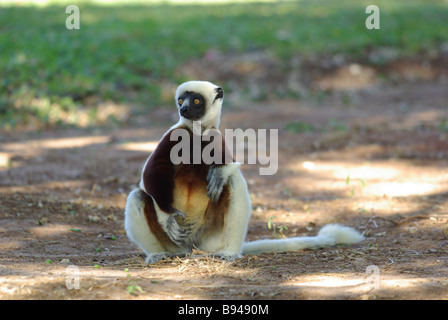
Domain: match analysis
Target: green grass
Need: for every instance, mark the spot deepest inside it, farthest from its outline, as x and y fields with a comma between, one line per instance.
x=123, y=53
x=304, y=127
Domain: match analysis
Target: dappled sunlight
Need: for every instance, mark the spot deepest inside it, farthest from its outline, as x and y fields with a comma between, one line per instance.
x=139, y=146
x=26, y=2
x=48, y=185
x=33, y=147
x=14, y=155
x=137, y=2
x=341, y=170
x=10, y=245
x=382, y=206
x=42, y=279
x=415, y=119
x=401, y=189
x=365, y=172
x=4, y=160
x=52, y=230
x=388, y=178
x=335, y=281
x=366, y=285
x=72, y=142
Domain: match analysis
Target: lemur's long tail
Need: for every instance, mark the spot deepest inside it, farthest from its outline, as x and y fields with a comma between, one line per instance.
x=329, y=235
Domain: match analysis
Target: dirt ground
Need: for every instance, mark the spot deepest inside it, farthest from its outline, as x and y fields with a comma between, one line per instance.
x=376, y=160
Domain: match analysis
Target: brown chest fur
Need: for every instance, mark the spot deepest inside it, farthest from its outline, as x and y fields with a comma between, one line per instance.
x=190, y=194
x=190, y=197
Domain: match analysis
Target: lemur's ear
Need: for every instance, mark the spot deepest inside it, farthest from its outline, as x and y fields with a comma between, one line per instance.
x=219, y=93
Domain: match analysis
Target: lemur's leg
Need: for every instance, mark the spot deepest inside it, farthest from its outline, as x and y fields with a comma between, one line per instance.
x=227, y=243
x=168, y=222
x=143, y=230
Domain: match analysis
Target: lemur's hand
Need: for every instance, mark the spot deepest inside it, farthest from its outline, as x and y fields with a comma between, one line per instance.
x=218, y=177
x=177, y=233
x=215, y=183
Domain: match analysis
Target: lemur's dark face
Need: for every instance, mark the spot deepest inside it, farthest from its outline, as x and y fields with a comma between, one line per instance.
x=192, y=105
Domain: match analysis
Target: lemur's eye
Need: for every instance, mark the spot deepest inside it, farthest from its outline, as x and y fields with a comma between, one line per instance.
x=196, y=101
x=180, y=101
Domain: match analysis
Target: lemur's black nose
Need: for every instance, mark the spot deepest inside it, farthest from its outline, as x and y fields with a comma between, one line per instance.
x=183, y=111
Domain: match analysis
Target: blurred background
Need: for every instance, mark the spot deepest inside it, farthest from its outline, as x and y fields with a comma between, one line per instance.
x=129, y=56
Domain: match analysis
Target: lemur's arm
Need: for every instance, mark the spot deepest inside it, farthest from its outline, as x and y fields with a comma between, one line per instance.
x=218, y=174
x=158, y=182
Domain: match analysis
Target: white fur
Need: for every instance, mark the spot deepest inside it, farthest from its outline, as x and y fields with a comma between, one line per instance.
x=228, y=243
